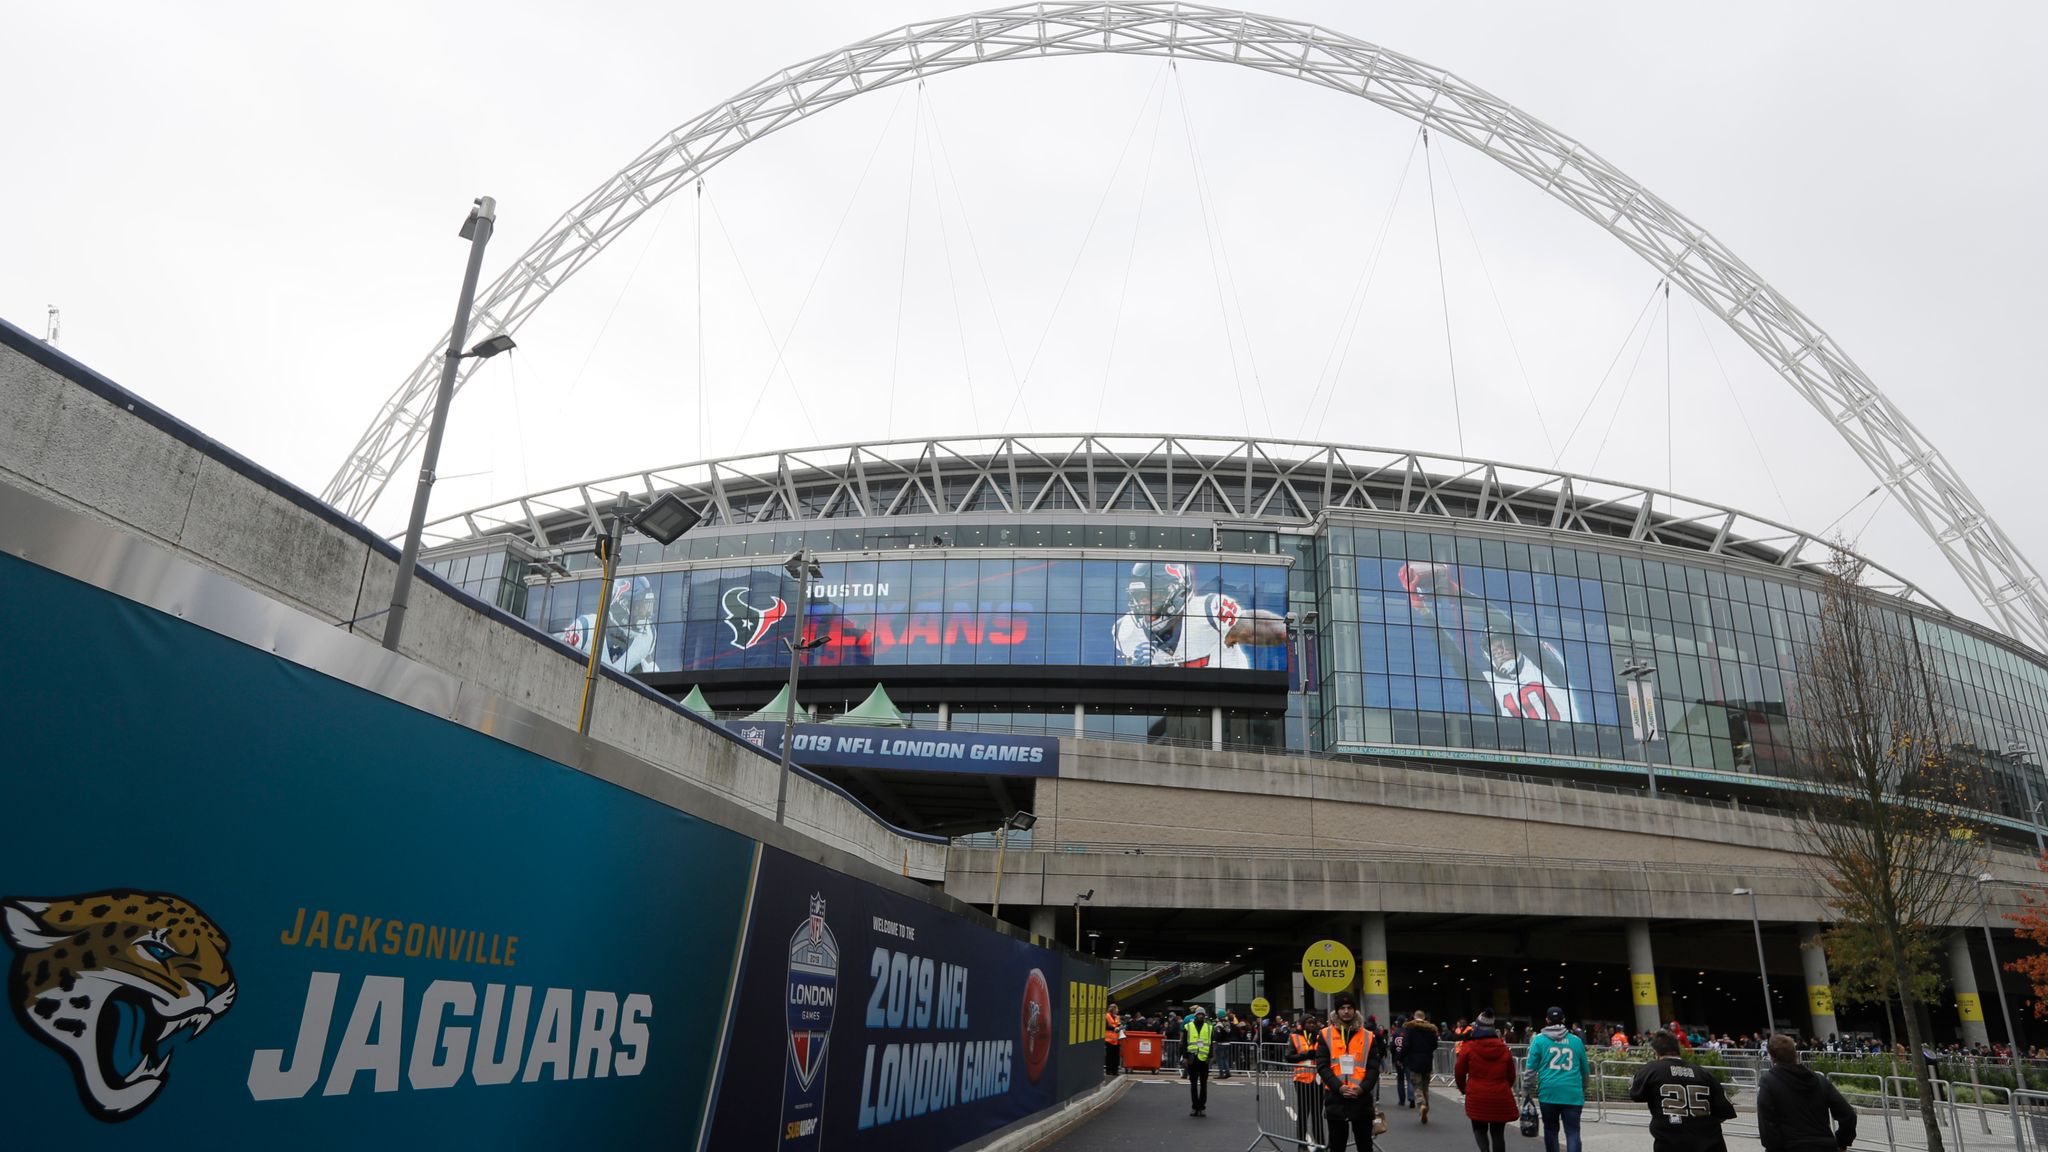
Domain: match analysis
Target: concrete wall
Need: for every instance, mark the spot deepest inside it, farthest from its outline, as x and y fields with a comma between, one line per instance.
x=1155, y=827
x=77, y=440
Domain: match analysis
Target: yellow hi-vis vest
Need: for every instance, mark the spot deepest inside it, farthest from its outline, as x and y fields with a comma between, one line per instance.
x=1304, y=1072
x=1198, y=1038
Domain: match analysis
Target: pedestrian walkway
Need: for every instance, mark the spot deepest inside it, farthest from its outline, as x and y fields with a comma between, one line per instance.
x=1154, y=1115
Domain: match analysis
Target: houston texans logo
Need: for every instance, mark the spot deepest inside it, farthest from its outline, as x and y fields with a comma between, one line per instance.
x=750, y=624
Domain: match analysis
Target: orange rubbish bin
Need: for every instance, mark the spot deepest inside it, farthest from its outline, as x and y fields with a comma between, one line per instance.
x=1142, y=1051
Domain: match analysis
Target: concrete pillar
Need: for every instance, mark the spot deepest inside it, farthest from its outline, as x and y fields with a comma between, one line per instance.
x=1278, y=990
x=1045, y=921
x=1216, y=728
x=1080, y=724
x=1222, y=999
x=1299, y=987
x=1642, y=976
x=1962, y=974
x=1374, y=999
x=1820, y=999
x=945, y=715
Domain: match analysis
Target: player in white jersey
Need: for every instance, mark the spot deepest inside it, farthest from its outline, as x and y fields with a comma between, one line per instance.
x=1524, y=676
x=628, y=631
x=1520, y=686
x=1168, y=625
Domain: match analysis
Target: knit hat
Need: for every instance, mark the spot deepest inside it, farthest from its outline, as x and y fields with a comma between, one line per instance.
x=1345, y=1000
x=1485, y=1019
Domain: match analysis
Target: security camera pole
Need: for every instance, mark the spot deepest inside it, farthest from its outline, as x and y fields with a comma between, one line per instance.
x=477, y=230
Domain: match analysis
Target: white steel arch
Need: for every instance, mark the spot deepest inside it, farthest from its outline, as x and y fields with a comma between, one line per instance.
x=1816, y=367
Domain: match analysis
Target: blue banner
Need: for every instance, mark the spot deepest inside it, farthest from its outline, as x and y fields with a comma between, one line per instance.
x=896, y=1023
x=911, y=749
x=246, y=905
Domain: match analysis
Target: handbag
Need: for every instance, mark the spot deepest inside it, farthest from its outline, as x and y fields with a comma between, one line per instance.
x=1529, y=1122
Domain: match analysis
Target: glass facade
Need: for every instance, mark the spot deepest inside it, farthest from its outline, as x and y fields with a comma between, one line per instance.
x=1498, y=643
x=1478, y=642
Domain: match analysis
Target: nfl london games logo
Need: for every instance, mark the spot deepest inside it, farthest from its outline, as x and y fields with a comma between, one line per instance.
x=813, y=989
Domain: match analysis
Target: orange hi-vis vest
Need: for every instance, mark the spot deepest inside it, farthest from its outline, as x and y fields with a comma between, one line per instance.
x=1112, y=1027
x=1354, y=1051
x=1304, y=1072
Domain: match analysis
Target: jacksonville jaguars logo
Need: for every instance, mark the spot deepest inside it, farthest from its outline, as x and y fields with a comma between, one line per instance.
x=116, y=982
x=750, y=625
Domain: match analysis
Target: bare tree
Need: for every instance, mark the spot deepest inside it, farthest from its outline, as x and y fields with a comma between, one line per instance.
x=1888, y=808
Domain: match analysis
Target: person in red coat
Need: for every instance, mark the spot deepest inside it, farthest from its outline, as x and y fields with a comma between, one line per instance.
x=1485, y=1073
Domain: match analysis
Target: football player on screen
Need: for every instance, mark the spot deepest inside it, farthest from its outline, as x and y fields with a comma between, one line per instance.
x=1168, y=625
x=628, y=631
x=1523, y=676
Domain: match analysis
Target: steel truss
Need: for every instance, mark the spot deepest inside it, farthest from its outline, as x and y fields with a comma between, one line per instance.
x=1917, y=475
x=1240, y=481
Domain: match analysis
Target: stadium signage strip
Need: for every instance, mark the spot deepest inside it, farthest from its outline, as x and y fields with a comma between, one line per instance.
x=907, y=749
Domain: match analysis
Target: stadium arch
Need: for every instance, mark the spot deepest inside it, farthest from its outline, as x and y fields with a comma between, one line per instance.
x=1918, y=476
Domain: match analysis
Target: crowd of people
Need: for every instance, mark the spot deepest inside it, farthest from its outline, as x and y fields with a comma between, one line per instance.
x=1340, y=1062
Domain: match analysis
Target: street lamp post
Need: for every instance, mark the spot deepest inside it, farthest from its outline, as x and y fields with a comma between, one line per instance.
x=476, y=229
x=1088, y=895
x=1643, y=699
x=2012, y=1038
x=803, y=566
x=1022, y=822
x=1763, y=973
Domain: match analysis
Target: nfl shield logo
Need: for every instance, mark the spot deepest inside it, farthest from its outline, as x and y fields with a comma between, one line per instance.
x=755, y=735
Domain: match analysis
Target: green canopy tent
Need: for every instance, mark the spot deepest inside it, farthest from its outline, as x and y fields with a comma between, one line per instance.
x=696, y=702
x=775, y=709
x=877, y=710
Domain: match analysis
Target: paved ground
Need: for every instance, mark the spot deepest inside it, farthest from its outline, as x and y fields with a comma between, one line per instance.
x=1154, y=1115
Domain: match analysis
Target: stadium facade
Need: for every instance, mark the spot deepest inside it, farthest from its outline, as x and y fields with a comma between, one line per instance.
x=1238, y=592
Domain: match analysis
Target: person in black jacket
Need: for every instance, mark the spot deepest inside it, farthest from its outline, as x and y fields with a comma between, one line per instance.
x=1418, y=1060
x=1793, y=1106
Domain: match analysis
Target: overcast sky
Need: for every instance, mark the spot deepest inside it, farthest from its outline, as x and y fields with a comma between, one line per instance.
x=247, y=214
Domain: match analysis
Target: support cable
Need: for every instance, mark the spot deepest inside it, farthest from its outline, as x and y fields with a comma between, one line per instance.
x=942, y=157
x=1131, y=258
x=1082, y=250
x=1354, y=310
x=1528, y=386
x=633, y=274
x=767, y=329
x=931, y=171
x=703, y=409
x=518, y=422
x=1206, y=203
x=1558, y=460
x=1728, y=384
x=1621, y=401
x=782, y=346
x=1443, y=294
x=903, y=262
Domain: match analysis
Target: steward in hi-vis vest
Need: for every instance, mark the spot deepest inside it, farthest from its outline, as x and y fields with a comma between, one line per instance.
x=1198, y=1037
x=1112, y=1042
x=1345, y=1065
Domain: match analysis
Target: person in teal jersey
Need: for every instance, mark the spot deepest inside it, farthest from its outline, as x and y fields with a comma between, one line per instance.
x=1557, y=1078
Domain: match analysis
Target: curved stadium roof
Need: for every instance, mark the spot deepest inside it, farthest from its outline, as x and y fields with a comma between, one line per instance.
x=1234, y=481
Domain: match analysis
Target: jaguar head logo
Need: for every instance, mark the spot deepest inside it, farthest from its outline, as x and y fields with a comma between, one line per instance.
x=750, y=625
x=116, y=982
